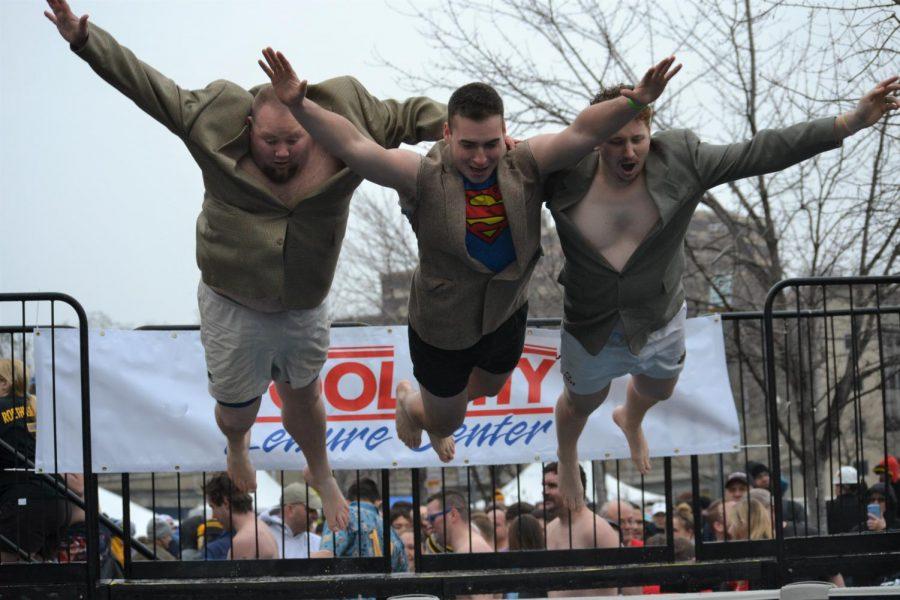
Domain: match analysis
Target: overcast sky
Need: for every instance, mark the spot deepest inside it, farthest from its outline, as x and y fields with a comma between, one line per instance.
x=100, y=201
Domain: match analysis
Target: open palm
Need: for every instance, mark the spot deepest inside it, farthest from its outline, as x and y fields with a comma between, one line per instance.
x=287, y=86
x=879, y=101
x=654, y=82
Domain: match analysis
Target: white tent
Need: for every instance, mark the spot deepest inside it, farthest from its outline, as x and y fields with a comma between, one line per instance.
x=530, y=483
x=268, y=494
x=111, y=505
x=629, y=492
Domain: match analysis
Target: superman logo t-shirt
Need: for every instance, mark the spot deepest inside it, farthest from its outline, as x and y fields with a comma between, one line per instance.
x=488, y=237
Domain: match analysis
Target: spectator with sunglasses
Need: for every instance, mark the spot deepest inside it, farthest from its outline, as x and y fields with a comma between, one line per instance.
x=448, y=515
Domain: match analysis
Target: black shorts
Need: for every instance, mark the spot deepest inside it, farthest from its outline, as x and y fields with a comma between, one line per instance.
x=445, y=373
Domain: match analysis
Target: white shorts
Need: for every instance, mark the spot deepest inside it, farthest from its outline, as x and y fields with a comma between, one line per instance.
x=247, y=349
x=661, y=358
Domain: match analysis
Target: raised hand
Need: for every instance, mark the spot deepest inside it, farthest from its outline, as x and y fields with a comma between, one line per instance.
x=73, y=29
x=874, y=105
x=654, y=82
x=288, y=87
x=876, y=523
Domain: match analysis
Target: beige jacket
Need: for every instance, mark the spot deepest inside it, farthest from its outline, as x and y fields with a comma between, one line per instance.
x=455, y=299
x=248, y=243
x=680, y=168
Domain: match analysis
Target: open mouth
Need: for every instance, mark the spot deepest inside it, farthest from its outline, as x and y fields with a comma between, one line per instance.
x=628, y=167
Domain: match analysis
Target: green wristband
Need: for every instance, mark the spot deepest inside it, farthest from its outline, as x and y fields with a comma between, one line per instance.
x=635, y=105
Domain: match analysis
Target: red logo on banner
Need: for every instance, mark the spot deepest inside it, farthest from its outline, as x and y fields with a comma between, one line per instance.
x=378, y=383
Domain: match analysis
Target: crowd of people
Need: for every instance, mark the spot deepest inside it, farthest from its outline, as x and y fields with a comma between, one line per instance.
x=452, y=522
x=280, y=163
x=51, y=527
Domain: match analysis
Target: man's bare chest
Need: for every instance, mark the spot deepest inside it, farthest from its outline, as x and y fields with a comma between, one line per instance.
x=607, y=217
x=305, y=181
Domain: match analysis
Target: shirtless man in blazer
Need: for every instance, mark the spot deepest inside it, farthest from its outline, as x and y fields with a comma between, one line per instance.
x=475, y=209
x=268, y=237
x=622, y=214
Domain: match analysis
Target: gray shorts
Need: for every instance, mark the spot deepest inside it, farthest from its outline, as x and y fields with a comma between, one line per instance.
x=247, y=349
x=661, y=358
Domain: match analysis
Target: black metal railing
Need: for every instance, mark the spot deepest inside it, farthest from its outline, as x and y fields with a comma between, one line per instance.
x=819, y=345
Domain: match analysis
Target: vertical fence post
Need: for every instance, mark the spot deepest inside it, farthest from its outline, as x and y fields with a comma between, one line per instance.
x=772, y=410
x=90, y=479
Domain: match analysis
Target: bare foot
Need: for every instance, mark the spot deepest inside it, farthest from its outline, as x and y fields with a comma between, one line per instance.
x=444, y=447
x=337, y=511
x=637, y=443
x=570, y=488
x=240, y=470
x=407, y=431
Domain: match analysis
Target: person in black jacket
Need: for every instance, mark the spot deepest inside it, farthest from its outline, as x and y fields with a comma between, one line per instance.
x=846, y=512
x=33, y=514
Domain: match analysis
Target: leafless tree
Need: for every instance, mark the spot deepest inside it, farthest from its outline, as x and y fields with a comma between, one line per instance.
x=379, y=249
x=750, y=65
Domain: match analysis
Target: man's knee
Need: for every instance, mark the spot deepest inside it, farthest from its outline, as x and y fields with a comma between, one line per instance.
x=584, y=404
x=490, y=389
x=482, y=383
x=236, y=418
x=654, y=389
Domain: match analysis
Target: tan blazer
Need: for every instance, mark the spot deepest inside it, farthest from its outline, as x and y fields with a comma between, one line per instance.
x=248, y=243
x=680, y=168
x=455, y=299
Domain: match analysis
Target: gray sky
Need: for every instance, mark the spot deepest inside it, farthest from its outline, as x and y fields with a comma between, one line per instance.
x=98, y=200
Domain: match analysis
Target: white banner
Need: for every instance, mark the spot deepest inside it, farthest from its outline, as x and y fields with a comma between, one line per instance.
x=150, y=409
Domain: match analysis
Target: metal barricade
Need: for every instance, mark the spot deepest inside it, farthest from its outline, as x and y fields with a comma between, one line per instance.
x=820, y=344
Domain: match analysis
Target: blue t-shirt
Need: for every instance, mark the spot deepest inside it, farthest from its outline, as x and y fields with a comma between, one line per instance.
x=488, y=236
x=219, y=548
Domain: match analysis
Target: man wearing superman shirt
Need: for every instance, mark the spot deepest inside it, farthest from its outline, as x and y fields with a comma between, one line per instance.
x=476, y=212
x=488, y=238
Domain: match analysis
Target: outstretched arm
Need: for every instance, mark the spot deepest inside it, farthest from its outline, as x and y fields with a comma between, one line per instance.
x=772, y=150
x=392, y=122
x=870, y=109
x=391, y=168
x=154, y=93
x=600, y=121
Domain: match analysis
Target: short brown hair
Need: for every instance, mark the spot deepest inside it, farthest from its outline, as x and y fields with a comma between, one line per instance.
x=476, y=101
x=220, y=488
x=609, y=93
x=716, y=512
x=686, y=516
x=554, y=468
x=451, y=499
x=525, y=533
x=485, y=526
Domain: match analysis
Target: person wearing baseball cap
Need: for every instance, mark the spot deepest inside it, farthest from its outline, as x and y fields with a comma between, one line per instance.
x=846, y=511
x=300, y=506
x=159, y=534
x=736, y=486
